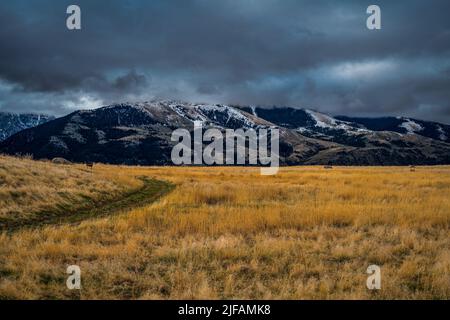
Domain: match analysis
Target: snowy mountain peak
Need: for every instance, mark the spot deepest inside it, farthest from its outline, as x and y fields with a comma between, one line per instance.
x=11, y=123
x=177, y=112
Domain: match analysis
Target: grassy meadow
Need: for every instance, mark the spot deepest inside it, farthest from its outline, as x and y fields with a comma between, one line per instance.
x=229, y=233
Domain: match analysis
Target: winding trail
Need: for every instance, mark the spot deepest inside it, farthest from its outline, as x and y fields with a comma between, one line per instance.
x=151, y=191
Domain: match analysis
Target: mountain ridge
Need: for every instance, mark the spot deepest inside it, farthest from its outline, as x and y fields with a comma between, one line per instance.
x=11, y=123
x=139, y=133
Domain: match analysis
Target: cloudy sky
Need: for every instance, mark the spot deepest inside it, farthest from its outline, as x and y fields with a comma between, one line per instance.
x=313, y=54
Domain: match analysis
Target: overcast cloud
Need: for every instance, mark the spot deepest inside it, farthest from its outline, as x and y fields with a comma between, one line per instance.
x=314, y=54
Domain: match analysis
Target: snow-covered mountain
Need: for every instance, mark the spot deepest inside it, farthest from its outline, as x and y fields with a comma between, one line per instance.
x=139, y=133
x=11, y=123
x=403, y=125
x=344, y=128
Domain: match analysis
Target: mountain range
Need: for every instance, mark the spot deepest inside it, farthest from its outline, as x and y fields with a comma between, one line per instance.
x=11, y=123
x=139, y=134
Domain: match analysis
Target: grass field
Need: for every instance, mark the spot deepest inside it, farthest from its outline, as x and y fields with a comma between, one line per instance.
x=222, y=233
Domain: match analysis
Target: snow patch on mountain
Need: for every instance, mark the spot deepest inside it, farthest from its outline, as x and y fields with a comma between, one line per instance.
x=327, y=122
x=11, y=123
x=410, y=126
x=442, y=134
x=322, y=120
x=302, y=130
x=230, y=112
x=177, y=109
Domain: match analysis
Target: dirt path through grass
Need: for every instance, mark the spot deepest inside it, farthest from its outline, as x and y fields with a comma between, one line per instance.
x=151, y=191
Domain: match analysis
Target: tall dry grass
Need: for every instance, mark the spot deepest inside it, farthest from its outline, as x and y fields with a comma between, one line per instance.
x=231, y=233
x=30, y=187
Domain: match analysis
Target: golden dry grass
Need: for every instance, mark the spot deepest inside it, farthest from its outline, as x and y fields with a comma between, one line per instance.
x=29, y=187
x=231, y=233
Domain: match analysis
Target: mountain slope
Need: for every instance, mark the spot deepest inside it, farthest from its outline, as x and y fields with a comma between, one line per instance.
x=314, y=123
x=403, y=125
x=140, y=133
x=11, y=123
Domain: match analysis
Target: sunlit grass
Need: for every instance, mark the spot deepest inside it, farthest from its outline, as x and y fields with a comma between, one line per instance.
x=29, y=187
x=307, y=232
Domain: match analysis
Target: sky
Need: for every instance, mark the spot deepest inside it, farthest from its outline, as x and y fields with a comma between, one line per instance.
x=304, y=54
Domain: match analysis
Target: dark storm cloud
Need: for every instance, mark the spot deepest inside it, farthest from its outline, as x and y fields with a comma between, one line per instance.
x=316, y=54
